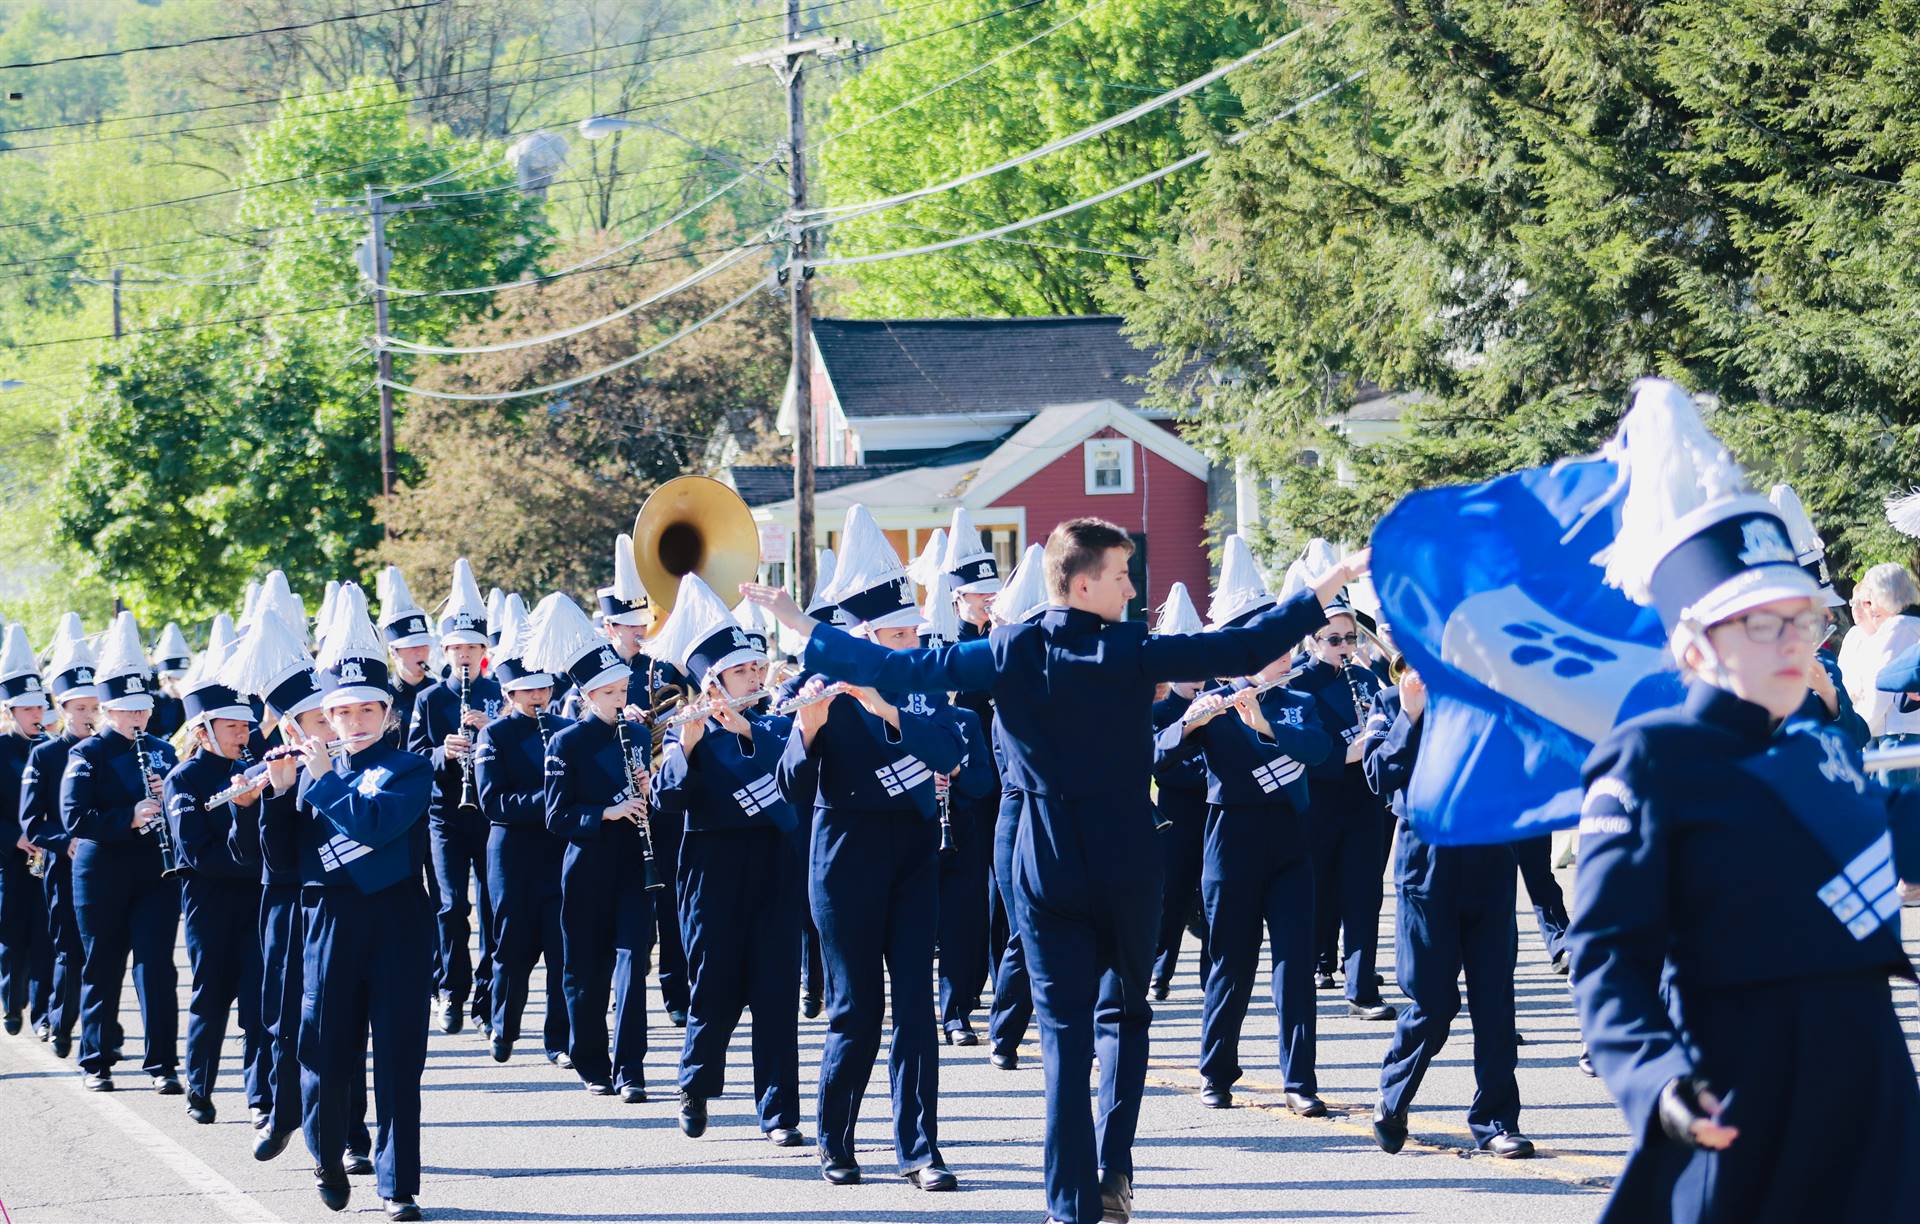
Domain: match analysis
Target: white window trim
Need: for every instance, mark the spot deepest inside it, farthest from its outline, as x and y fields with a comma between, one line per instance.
x=1087, y=452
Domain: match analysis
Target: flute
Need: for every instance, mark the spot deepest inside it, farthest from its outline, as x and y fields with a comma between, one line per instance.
x=251, y=778
x=828, y=693
x=1258, y=688
x=702, y=710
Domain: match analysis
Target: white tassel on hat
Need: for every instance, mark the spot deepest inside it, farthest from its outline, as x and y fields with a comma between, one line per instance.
x=867, y=562
x=1025, y=589
x=1241, y=589
x=16, y=656
x=69, y=653
x=463, y=614
x=928, y=565
x=1177, y=614
x=1903, y=513
x=353, y=660
x=823, y=572
x=248, y=601
x=496, y=608
x=264, y=659
x=327, y=596
x=277, y=595
x=560, y=636
x=699, y=614
x=942, y=617
x=1308, y=568
x=220, y=632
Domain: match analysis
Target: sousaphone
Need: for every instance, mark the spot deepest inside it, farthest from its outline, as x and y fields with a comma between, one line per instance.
x=694, y=525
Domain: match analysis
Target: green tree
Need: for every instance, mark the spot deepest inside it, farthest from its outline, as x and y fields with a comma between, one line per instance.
x=883, y=138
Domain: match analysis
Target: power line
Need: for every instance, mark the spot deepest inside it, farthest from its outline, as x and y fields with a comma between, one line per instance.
x=215, y=38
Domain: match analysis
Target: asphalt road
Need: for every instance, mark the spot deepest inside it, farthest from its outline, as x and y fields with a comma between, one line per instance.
x=522, y=1141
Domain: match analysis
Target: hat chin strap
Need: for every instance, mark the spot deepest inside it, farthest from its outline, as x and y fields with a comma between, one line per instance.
x=1713, y=671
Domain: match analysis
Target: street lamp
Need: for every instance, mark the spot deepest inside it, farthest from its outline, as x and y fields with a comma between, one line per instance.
x=599, y=127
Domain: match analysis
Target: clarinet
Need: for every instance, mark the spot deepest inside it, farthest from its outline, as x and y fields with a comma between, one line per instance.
x=1358, y=693
x=469, y=802
x=636, y=787
x=157, y=827
x=39, y=859
x=943, y=792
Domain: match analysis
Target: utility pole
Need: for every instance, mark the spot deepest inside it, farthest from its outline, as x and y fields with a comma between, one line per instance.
x=789, y=62
x=377, y=209
x=115, y=282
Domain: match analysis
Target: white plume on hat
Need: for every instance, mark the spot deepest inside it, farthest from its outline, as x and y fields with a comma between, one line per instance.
x=1313, y=564
x=942, y=618
x=16, y=656
x=248, y=601
x=560, y=634
x=66, y=631
x=172, y=644
x=395, y=599
x=964, y=546
x=350, y=634
x=826, y=567
x=513, y=627
x=1178, y=615
x=121, y=654
x=931, y=561
x=514, y=605
x=221, y=633
x=463, y=598
x=1025, y=589
x=754, y=619
x=275, y=594
x=867, y=560
x=327, y=598
x=68, y=653
x=697, y=615
x=1240, y=589
x=626, y=574
x=496, y=606
x=261, y=661
x=1903, y=513
x=1809, y=549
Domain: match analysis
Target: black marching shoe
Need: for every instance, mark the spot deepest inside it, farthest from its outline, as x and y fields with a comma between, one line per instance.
x=333, y=1187
x=1375, y=1010
x=1116, y=1198
x=1508, y=1146
x=1161, y=990
x=167, y=1084
x=1306, y=1105
x=678, y=1015
x=786, y=1136
x=14, y=1024
x=62, y=1045
x=810, y=1006
x=1323, y=981
x=103, y=1082
x=1388, y=1131
x=200, y=1109
x=1213, y=1096
x=453, y=1016
x=502, y=1049
x=1006, y=1060
x=693, y=1115
x=838, y=1174
x=933, y=1177
x=962, y=1037
x=402, y=1209
x=268, y=1143
x=359, y=1164
x=633, y=1094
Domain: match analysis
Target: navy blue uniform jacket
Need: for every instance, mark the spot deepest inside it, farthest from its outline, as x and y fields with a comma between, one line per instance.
x=509, y=765
x=436, y=715
x=858, y=763
x=40, y=792
x=1244, y=768
x=727, y=781
x=203, y=839
x=98, y=792
x=364, y=822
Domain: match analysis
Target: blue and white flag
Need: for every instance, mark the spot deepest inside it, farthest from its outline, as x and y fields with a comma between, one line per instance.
x=1528, y=656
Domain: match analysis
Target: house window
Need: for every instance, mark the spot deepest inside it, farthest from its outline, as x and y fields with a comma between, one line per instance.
x=1109, y=465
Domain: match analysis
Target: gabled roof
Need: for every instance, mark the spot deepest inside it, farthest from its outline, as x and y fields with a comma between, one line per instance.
x=758, y=486
x=1057, y=431
x=986, y=367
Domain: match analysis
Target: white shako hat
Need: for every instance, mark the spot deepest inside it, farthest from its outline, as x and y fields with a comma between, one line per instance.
x=270, y=662
x=967, y=558
x=171, y=655
x=123, y=674
x=221, y=635
x=403, y=623
x=942, y=627
x=206, y=695
x=1178, y=615
x=701, y=639
x=823, y=606
x=1241, y=591
x=1313, y=563
x=463, y=614
x=1693, y=541
x=1808, y=548
x=353, y=659
x=325, y=612
x=276, y=596
x=1025, y=590
x=66, y=631
x=509, y=662
x=759, y=626
x=247, y=603
x=562, y=641
x=869, y=583
x=625, y=602
x=933, y=556
x=496, y=612
x=20, y=683
x=70, y=665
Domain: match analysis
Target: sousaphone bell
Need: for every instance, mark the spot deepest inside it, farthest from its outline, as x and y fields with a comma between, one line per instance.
x=694, y=525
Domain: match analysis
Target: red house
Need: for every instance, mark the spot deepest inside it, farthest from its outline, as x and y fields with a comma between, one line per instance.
x=1026, y=422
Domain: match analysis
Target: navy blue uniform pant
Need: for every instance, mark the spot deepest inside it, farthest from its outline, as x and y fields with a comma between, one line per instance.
x=1012, y=993
x=965, y=880
x=670, y=955
x=875, y=893
x=283, y=975
x=368, y=964
x=459, y=855
x=523, y=879
x=1183, y=845
x=26, y=946
x=999, y=922
x=1437, y=935
x=1348, y=864
x=606, y=924
x=224, y=953
x=1086, y=902
x=125, y=911
x=69, y=954
x=1249, y=881
x=1535, y=856
x=740, y=902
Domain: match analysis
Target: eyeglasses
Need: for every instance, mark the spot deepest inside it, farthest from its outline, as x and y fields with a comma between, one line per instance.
x=1341, y=639
x=1765, y=628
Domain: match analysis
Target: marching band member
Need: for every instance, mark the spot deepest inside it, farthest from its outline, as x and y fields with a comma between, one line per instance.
x=1454, y=912
x=813, y=973
x=1827, y=700
x=596, y=779
x=1073, y=690
x=26, y=945
x=446, y=717
x=1348, y=818
x=76, y=698
x=1736, y=912
x=109, y=795
x=1181, y=784
x=409, y=638
x=523, y=858
x=220, y=893
x=171, y=659
x=741, y=884
x=271, y=665
x=1258, y=852
x=865, y=763
x=359, y=825
x=1023, y=595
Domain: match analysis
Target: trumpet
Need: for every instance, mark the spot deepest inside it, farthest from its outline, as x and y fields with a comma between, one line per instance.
x=702, y=710
x=836, y=689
